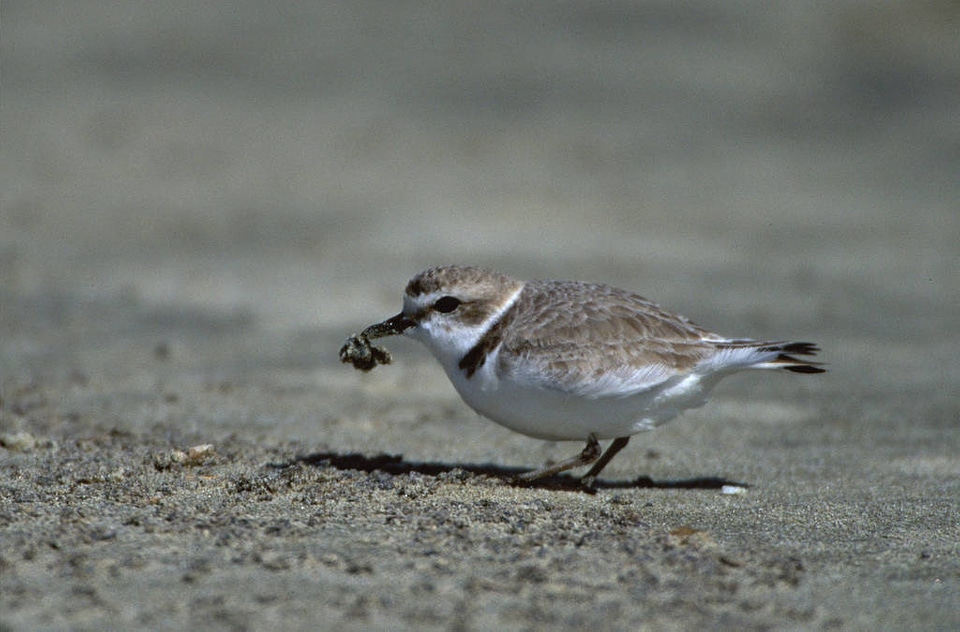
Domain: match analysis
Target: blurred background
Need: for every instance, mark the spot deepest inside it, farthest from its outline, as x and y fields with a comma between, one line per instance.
x=200, y=200
x=766, y=168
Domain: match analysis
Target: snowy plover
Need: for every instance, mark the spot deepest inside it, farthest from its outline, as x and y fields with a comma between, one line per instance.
x=566, y=360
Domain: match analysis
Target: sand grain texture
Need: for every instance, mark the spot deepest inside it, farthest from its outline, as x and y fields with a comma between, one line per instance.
x=199, y=207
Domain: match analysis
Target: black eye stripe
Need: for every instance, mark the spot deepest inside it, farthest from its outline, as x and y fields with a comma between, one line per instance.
x=446, y=304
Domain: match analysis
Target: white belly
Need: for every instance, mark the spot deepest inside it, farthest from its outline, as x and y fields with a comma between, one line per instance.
x=554, y=415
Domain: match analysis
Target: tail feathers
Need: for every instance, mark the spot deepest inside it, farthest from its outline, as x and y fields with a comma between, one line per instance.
x=762, y=353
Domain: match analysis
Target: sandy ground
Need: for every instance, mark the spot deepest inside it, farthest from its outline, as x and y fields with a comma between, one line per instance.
x=200, y=203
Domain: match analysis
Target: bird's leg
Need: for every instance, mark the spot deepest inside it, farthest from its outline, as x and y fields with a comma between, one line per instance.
x=589, y=454
x=618, y=444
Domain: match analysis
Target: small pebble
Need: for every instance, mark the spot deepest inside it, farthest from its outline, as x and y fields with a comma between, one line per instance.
x=732, y=490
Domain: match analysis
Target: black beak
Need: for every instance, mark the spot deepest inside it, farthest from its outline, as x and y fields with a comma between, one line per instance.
x=390, y=327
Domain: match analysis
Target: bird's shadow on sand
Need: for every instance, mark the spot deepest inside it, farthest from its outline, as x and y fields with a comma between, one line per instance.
x=396, y=465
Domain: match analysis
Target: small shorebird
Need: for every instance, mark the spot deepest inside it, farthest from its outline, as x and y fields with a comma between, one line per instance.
x=566, y=360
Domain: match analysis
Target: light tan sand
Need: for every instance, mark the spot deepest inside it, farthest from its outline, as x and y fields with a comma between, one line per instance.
x=200, y=203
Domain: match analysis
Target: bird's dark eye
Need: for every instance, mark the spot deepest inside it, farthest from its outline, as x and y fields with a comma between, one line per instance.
x=446, y=304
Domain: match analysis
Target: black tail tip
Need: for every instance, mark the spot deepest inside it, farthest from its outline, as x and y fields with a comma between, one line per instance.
x=805, y=368
x=796, y=364
x=800, y=348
